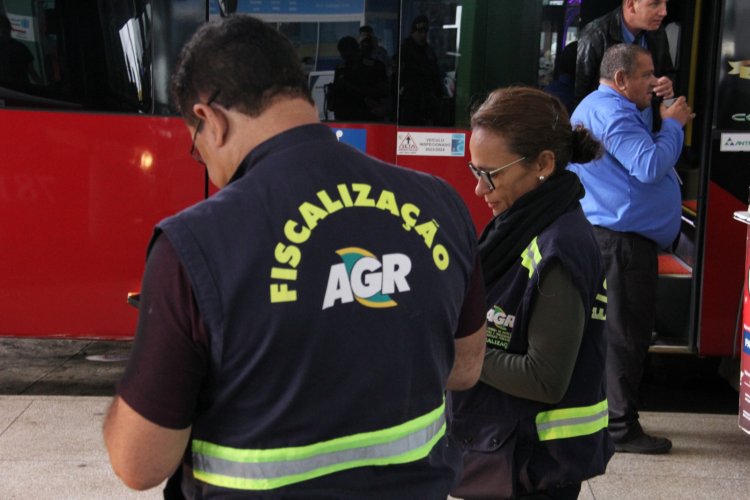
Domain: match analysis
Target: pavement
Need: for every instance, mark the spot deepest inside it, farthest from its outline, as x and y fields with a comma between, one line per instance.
x=54, y=394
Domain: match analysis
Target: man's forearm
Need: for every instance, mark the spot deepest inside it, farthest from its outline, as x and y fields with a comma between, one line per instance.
x=468, y=363
x=142, y=453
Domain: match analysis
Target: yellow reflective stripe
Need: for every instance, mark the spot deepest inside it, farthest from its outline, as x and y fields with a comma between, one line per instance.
x=265, y=469
x=565, y=423
x=531, y=257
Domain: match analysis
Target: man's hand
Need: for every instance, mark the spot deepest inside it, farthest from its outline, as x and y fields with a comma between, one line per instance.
x=663, y=88
x=679, y=110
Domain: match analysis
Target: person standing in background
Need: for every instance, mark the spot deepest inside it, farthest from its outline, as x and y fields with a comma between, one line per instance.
x=633, y=200
x=420, y=82
x=635, y=21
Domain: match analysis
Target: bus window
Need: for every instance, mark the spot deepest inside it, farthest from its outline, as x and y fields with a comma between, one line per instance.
x=428, y=58
x=439, y=56
x=92, y=55
x=471, y=48
x=84, y=54
x=316, y=30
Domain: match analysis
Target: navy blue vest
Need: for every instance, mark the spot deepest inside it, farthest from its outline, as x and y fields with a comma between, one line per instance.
x=331, y=286
x=516, y=445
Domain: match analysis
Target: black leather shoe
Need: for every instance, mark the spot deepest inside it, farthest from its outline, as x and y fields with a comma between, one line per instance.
x=643, y=443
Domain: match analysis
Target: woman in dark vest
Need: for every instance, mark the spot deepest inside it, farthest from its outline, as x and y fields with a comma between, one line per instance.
x=535, y=426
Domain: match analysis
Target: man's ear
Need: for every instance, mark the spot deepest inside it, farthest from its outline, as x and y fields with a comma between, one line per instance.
x=215, y=124
x=620, y=79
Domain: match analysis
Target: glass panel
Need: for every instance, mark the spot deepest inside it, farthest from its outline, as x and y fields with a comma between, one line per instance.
x=29, y=50
x=558, y=46
x=76, y=54
x=429, y=57
x=349, y=77
x=126, y=30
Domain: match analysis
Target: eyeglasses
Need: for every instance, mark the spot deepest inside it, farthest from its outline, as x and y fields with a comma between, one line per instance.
x=487, y=175
x=193, y=150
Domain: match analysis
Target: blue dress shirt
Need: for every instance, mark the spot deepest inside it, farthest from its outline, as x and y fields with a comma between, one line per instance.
x=633, y=187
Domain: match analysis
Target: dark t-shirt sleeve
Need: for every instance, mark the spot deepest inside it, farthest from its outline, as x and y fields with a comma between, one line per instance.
x=473, y=311
x=556, y=327
x=169, y=360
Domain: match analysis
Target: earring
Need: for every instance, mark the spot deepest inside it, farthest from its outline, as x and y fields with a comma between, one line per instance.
x=541, y=178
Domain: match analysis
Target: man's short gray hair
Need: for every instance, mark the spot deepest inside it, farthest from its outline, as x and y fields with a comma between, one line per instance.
x=620, y=57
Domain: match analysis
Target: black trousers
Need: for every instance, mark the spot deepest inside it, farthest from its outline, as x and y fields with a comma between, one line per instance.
x=631, y=268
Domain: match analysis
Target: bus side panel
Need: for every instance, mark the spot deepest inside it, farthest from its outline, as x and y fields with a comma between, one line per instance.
x=380, y=141
x=80, y=194
x=453, y=169
x=723, y=261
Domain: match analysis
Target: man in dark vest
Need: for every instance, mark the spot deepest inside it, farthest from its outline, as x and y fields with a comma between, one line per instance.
x=298, y=329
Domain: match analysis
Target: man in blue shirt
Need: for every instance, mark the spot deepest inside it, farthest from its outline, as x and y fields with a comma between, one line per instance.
x=633, y=201
x=635, y=21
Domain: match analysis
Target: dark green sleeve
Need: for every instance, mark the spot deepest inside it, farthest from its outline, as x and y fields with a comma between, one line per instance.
x=555, y=331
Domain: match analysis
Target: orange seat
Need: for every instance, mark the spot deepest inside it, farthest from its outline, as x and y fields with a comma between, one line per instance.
x=669, y=264
x=690, y=206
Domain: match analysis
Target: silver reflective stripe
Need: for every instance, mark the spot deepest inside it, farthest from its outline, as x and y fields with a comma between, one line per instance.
x=356, y=457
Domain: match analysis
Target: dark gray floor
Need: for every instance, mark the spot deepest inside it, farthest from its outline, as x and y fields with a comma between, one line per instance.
x=675, y=383
x=61, y=367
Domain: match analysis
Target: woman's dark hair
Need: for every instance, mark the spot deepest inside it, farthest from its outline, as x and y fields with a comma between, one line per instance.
x=532, y=121
x=242, y=58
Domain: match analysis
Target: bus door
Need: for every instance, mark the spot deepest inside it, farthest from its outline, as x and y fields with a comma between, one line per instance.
x=726, y=178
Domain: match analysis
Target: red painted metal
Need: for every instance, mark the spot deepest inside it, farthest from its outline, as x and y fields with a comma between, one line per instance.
x=723, y=261
x=79, y=196
x=381, y=143
x=454, y=170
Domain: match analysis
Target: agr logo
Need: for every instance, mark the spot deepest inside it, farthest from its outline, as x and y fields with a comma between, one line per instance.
x=498, y=317
x=362, y=277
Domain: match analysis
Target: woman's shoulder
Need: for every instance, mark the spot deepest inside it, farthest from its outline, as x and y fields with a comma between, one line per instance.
x=570, y=232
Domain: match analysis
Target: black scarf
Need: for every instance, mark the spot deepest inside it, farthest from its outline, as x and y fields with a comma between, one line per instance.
x=510, y=232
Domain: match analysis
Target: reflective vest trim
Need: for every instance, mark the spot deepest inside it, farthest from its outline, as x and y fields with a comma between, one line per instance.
x=253, y=469
x=564, y=423
x=531, y=257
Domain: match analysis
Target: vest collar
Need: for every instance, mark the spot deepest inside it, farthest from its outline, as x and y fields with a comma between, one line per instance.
x=305, y=133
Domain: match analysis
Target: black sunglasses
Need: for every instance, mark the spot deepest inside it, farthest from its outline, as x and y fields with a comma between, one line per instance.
x=486, y=175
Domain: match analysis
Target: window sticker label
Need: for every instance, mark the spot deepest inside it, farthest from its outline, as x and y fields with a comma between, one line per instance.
x=430, y=144
x=735, y=142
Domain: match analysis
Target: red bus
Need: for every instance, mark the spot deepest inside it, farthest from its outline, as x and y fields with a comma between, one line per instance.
x=93, y=156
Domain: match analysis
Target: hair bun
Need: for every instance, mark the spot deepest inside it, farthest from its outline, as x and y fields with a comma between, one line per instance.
x=585, y=147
